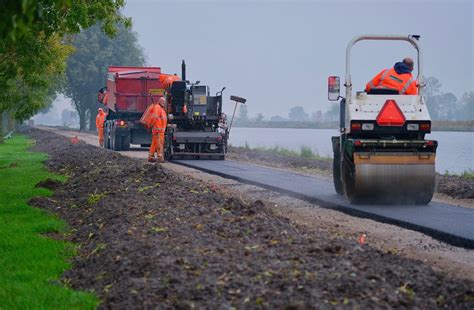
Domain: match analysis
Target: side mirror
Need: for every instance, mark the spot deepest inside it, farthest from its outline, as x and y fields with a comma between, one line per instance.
x=334, y=88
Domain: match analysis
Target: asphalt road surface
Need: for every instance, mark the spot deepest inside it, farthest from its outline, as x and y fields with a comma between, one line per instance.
x=449, y=223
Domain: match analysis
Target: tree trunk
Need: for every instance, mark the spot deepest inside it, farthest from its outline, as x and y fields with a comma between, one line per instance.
x=1, y=128
x=94, y=107
x=11, y=124
x=92, y=116
x=82, y=120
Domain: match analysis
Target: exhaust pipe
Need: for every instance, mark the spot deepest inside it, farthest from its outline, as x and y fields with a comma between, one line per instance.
x=183, y=71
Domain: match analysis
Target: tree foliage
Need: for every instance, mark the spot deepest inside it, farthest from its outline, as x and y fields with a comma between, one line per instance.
x=446, y=106
x=243, y=113
x=467, y=105
x=298, y=114
x=87, y=67
x=33, y=51
x=58, y=17
x=30, y=73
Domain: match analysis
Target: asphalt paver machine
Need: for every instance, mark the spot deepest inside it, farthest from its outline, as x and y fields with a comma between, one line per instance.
x=197, y=127
x=381, y=154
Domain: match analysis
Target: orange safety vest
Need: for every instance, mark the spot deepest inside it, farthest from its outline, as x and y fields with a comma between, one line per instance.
x=100, y=119
x=389, y=78
x=167, y=80
x=155, y=118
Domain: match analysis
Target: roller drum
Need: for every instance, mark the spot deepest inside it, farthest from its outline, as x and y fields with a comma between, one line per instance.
x=390, y=178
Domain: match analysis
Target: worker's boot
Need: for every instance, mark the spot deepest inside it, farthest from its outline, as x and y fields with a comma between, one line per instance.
x=151, y=159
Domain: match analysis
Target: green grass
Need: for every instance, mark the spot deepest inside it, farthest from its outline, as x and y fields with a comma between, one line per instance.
x=468, y=174
x=31, y=263
x=305, y=152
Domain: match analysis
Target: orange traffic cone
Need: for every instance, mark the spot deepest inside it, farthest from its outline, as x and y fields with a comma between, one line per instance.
x=75, y=140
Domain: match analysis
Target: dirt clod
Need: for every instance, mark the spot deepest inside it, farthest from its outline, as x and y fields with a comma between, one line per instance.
x=49, y=184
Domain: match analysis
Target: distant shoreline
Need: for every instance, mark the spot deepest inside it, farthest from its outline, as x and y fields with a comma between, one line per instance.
x=466, y=126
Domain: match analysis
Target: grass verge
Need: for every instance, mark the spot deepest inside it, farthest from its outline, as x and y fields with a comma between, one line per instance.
x=468, y=174
x=31, y=263
x=305, y=152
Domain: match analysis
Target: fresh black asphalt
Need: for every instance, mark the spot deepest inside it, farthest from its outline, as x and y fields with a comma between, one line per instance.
x=445, y=222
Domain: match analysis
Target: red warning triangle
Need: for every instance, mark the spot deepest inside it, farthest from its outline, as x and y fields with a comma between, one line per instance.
x=391, y=115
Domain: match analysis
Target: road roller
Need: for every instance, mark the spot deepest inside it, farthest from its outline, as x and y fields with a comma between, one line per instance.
x=381, y=154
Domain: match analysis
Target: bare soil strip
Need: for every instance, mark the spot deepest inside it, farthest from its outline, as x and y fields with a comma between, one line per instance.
x=453, y=261
x=151, y=237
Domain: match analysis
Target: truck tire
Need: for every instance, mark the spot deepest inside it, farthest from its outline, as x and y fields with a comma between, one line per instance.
x=168, y=148
x=106, y=137
x=112, y=141
x=336, y=171
x=116, y=141
x=126, y=143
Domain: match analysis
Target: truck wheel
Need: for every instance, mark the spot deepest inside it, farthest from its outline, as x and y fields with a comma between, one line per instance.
x=336, y=172
x=168, y=155
x=116, y=142
x=126, y=143
x=106, y=137
x=112, y=141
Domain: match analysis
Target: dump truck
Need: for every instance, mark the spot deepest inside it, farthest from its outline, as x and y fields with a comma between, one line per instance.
x=197, y=127
x=381, y=154
x=129, y=91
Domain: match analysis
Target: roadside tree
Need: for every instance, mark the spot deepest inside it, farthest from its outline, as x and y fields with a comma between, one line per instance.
x=33, y=49
x=87, y=66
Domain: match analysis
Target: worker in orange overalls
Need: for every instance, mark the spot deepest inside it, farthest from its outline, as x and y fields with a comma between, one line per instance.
x=398, y=78
x=156, y=119
x=99, y=123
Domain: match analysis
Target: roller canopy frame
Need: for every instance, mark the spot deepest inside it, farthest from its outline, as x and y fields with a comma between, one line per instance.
x=412, y=39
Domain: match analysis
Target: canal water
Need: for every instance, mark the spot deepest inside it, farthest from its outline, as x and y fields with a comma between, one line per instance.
x=455, y=151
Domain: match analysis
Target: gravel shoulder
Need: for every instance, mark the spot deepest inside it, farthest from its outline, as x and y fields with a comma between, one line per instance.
x=151, y=237
x=449, y=188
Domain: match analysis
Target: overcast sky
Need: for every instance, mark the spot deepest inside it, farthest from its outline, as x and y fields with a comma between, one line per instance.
x=278, y=54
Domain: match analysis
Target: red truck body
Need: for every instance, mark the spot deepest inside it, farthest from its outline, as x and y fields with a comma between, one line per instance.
x=133, y=89
x=130, y=90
